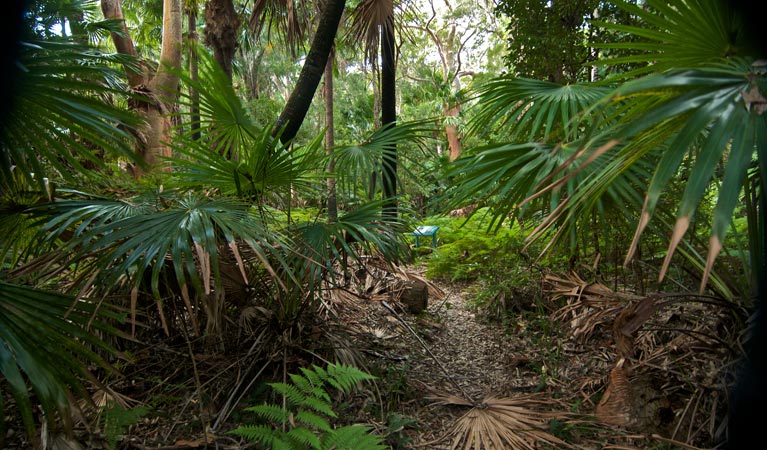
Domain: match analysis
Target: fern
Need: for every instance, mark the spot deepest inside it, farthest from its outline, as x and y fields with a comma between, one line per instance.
x=352, y=437
x=313, y=420
x=115, y=420
x=307, y=414
x=272, y=413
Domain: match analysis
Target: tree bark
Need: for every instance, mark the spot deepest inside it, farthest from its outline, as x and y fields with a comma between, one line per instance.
x=300, y=99
x=113, y=10
x=453, y=136
x=194, y=96
x=221, y=26
x=159, y=92
x=389, y=115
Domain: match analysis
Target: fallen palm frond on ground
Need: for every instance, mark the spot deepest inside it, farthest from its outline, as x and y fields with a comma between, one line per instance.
x=502, y=423
x=672, y=356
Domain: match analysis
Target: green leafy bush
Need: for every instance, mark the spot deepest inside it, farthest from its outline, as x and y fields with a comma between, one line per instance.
x=305, y=421
x=494, y=262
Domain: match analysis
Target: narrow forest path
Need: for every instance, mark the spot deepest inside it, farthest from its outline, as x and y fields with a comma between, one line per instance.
x=469, y=360
x=456, y=353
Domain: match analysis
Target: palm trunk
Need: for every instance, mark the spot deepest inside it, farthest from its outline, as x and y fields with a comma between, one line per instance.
x=300, y=99
x=221, y=26
x=389, y=116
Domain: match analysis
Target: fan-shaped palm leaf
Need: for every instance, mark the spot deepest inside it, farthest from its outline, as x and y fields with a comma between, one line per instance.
x=354, y=164
x=239, y=157
x=112, y=240
x=502, y=423
x=44, y=344
x=533, y=109
x=678, y=33
x=716, y=121
x=289, y=17
x=59, y=113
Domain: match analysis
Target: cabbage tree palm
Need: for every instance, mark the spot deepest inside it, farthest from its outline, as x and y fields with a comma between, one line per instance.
x=695, y=110
x=373, y=24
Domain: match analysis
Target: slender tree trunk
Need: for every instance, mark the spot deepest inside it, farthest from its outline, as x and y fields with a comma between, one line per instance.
x=113, y=10
x=330, y=140
x=160, y=91
x=300, y=99
x=194, y=96
x=221, y=26
x=389, y=115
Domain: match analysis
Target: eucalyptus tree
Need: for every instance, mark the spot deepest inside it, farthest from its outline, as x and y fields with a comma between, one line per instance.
x=461, y=32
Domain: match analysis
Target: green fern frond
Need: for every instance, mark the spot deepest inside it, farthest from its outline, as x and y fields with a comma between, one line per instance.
x=317, y=375
x=313, y=420
x=271, y=413
x=117, y=419
x=312, y=388
x=345, y=378
x=319, y=405
x=293, y=395
x=311, y=429
x=352, y=437
x=306, y=438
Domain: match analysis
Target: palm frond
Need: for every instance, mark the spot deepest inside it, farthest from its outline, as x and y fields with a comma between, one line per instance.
x=238, y=157
x=712, y=122
x=532, y=109
x=60, y=113
x=289, y=18
x=354, y=164
x=509, y=423
x=118, y=244
x=678, y=33
x=53, y=359
x=368, y=20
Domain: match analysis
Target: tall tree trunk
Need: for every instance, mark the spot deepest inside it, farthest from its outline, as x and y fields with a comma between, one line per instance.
x=300, y=99
x=330, y=139
x=453, y=136
x=389, y=114
x=159, y=91
x=194, y=96
x=221, y=26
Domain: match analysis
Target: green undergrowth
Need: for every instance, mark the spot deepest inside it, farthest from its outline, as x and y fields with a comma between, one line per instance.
x=501, y=275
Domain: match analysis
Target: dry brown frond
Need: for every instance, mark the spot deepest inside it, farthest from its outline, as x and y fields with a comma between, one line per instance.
x=588, y=304
x=434, y=290
x=503, y=423
x=615, y=406
x=289, y=17
x=368, y=19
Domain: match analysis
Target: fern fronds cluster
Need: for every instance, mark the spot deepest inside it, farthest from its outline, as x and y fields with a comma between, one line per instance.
x=305, y=421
